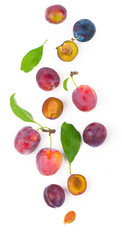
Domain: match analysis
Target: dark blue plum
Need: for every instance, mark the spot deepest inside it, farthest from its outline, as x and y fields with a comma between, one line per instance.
x=94, y=134
x=54, y=195
x=84, y=30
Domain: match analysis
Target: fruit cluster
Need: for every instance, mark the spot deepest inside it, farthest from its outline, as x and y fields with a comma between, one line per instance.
x=48, y=160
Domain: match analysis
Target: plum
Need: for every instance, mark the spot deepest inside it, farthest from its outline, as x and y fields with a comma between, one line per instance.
x=55, y=14
x=84, y=98
x=76, y=184
x=47, y=78
x=67, y=51
x=94, y=134
x=27, y=140
x=84, y=30
x=48, y=161
x=52, y=108
x=54, y=195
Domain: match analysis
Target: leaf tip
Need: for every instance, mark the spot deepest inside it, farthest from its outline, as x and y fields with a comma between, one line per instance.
x=45, y=41
x=12, y=95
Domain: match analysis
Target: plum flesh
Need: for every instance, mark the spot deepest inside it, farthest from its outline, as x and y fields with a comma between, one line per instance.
x=52, y=108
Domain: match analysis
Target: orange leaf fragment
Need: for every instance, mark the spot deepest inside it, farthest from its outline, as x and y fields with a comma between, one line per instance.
x=69, y=217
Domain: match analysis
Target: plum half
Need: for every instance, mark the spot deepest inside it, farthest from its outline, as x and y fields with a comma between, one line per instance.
x=52, y=108
x=67, y=51
x=76, y=184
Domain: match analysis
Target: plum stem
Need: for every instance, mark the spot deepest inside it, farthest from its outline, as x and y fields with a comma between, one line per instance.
x=50, y=140
x=45, y=129
x=73, y=39
x=70, y=168
x=71, y=75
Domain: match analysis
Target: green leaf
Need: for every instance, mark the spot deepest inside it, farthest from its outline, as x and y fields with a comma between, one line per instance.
x=71, y=141
x=65, y=84
x=32, y=59
x=20, y=112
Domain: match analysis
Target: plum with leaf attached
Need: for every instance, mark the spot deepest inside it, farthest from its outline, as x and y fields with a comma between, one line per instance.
x=84, y=97
x=27, y=139
x=71, y=142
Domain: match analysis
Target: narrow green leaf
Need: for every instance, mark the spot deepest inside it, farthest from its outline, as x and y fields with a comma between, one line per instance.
x=32, y=59
x=65, y=84
x=71, y=141
x=20, y=112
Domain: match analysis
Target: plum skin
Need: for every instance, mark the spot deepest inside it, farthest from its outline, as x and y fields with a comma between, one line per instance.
x=54, y=195
x=84, y=98
x=84, y=30
x=48, y=161
x=94, y=134
x=55, y=14
x=27, y=140
x=47, y=78
x=52, y=108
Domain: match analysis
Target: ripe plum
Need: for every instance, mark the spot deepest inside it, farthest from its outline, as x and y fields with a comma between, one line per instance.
x=94, y=134
x=76, y=184
x=47, y=78
x=55, y=14
x=52, y=108
x=54, y=195
x=26, y=140
x=48, y=161
x=84, y=30
x=84, y=98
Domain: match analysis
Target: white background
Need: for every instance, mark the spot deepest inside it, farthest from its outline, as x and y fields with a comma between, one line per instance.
x=23, y=212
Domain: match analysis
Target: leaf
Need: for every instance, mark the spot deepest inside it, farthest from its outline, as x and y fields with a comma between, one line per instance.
x=65, y=84
x=20, y=112
x=32, y=59
x=71, y=141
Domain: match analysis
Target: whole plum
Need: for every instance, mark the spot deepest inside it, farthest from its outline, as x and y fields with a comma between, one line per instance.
x=55, y=14
x=84, y=30
x=84, y=98
x=48, y=161
x=54, y=195
x=27, y=140
x=94, y=134
x=47, y=78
